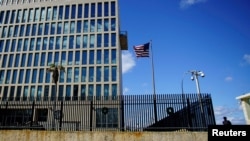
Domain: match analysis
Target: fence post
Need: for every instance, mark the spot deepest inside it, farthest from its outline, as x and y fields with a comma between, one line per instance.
x=61, y=116
x=32, y=114
x=189, y=113
x=155, y=108
x=122, y=108
x=91, y=115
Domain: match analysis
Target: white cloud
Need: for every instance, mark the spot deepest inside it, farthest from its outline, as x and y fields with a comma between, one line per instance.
x=228, y=79
x=188, y=3
x=246, y=57
x=128, y=61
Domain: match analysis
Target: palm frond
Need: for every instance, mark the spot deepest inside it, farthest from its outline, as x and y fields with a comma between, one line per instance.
x=50, y=69
x=60, y=67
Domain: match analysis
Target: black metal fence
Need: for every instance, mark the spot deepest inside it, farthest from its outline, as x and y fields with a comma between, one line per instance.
x=161, y=112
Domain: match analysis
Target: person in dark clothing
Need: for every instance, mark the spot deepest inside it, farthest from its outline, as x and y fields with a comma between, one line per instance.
x=226, y=121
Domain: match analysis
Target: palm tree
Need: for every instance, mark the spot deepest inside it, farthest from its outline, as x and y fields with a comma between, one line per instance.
x=54, y=69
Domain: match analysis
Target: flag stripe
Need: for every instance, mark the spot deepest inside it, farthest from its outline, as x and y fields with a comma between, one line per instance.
x=142, y=50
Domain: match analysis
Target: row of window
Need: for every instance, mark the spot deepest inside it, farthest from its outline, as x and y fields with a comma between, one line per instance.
x=56, y=43
x=58, y=13
x=65, y=92
x=67, y=27
x=65, y=58
x=82, y=74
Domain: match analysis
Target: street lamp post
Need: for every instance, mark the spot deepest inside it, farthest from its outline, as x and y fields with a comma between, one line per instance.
x=195, y=74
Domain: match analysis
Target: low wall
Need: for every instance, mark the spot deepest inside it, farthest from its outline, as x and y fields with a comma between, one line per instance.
x=33, y=135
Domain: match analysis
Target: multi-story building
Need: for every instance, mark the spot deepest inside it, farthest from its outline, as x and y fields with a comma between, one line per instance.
x=82, y=35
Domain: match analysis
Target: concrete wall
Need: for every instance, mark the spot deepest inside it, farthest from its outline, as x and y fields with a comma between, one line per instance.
x=32, y=135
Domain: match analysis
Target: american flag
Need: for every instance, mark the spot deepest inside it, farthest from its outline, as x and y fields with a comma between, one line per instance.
x=142, y=50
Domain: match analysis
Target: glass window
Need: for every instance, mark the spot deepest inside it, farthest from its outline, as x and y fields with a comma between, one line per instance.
x=30, y=59
x=33, y=33
x=76, y=75
x=10, y=60
x=68, y=92
x=53, y=28
x=113, y=11
x=56, y=58
x=48, y=13
x=51, y=43
x=28, y=27
x=45, y=42
x=113, y=39
x=106, y=9
x=85, y=26
x=84, y=57
x=71, y=42
x=12, y=92
x=54, y=13
x=63, y=58
x=7, y=80
x=23, y=63
x=106, y=91
x=42, y=63
x=31, y=15
x=106, y=40
x=69, y=75
x=72, y=27
x=91, y=74
x=91, y=57
x=60, y=97
x=7, y=16
x=5, y=93
x=92, y=41
x=91, y=92
x=79, y=27
x=16, y=30
x=58, y=42
x=99, y=10
x=36, y=61
x=40, y=29
x=99, y=57
x=77, y=58
x=86, y=10
x=1, y=17
x=34, y=76
x=42, y=18
x=75, y=92
x=14, y=77
x=25, y=15
x=27, y=76
x=106, y=73
x=106, y=24
x=47, y=77
x=78, y=41
x=79, y=15
x=99, y=40
x=41, y=73
x=59, y=28
x=13, y=15
x=49, y=61
x=85, y=41
x=83, y=92
x=39, y=93
x=113, y=56
x=38, y=43
x=4, y=32
x=26, y=44
x=83, y=78
x=66, y=16
x=13, y=45
x=113, y=24
x=18, y=93
x=20, y=79
x=65, y=41
x=53, y=92
x=32, y=93
x=46, y=93
x=98, y=91
x=99, y=25
x=70, y=58
x=98, y=74
x=60, y=13
x=10, y=31
x=61, y=76
x=92, y=26
x=114, y=71
x=19, y=45
x=7, y=46
x=46, y=29
x=32, y=44
x=92, y=9
x=73, y=11
x=21, y=33
x=1, y=76
x=4, y=61
x=25, y=92
x=19, y=15
x=66, y=28
x=37, y=14
x=106, y=56
x=17, y=60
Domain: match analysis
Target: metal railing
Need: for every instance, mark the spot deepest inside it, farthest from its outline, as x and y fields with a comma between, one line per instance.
x=173, y=112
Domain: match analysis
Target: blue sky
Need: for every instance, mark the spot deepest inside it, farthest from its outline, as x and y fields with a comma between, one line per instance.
x=212, y=36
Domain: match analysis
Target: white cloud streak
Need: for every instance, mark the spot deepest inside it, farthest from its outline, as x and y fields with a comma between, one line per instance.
x=187, y=3
x=246, y=57
x=128, y=62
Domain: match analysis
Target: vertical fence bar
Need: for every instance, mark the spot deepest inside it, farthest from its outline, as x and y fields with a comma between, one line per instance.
x=32, y=114
x=61, y=116
x=91, y=115
x=122, y=108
